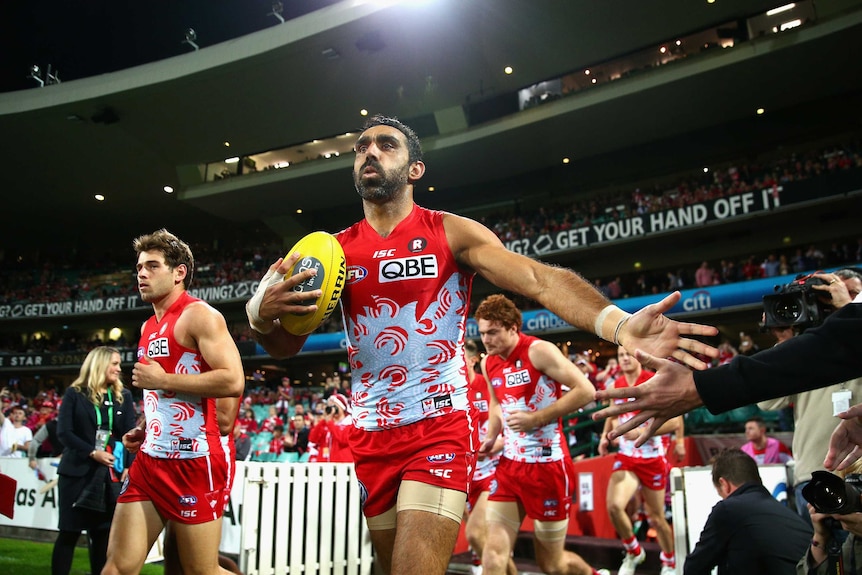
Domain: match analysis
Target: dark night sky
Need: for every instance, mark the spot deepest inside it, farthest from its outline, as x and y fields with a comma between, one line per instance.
x=82, y=38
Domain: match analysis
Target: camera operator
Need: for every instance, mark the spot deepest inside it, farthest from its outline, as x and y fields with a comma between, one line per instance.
x=827, y=555
x=328, y=440
x=827, y=354
x=814, y=411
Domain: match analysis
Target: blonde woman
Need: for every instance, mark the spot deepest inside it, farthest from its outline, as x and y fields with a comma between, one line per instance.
x=96, y=411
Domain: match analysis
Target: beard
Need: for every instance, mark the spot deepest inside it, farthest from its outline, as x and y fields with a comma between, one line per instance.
x=383, y=185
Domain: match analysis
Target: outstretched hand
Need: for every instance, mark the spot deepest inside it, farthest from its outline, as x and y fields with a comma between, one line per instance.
x=845, y=445
x=650, y=330
x=667, y=394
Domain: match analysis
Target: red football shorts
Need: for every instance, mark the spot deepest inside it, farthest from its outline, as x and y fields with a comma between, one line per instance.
x=183, y=490
x=477, y=487
x=437, y=451
x=544, y=489
x=651, y=472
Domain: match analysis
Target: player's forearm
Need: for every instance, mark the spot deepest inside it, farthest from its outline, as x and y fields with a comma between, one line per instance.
x=214, y=383
x=278, y=343
x=571, y=401
x=571, y=297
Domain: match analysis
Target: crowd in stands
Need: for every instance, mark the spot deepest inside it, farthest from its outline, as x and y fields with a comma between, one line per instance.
x=727, y=180
x=220, y=264
x=274, y=417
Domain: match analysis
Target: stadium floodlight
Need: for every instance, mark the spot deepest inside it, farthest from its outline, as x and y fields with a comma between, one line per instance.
x=277, y=10
x=191, y=37
x=36, y=74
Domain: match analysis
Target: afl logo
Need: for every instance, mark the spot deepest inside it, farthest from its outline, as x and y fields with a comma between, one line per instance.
x=188, y=500
x=417, y=245
x=356, y=274
x=441, y=458
x=363, y=493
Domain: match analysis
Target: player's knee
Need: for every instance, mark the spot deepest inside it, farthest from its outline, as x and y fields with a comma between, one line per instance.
x=473, y=534
x=614, y=508
x=550, y=566
x=494, y=558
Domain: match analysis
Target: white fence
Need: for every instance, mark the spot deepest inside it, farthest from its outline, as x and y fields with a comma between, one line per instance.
x=283, y=518
x=301, y=519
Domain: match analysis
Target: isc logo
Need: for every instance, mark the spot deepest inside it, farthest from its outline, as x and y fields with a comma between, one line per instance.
x=408, y=269
x=188, y=513
x=446, y=473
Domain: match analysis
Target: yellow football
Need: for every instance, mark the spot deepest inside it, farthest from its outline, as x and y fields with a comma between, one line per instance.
x=320, y=251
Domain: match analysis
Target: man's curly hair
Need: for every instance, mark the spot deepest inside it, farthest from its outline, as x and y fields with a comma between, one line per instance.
x=501, y=309
x=176, y=251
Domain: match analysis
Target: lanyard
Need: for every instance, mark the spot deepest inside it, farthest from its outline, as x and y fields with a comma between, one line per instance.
x=110, y=413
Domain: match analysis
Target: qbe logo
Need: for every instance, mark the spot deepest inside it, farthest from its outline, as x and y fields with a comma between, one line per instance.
x=422, y=267
x=158, y=348
x=518, y=378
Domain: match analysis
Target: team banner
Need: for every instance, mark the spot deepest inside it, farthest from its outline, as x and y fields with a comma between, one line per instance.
x=668, y=220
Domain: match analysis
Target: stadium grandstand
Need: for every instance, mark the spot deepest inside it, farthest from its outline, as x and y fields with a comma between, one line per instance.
x=631, y=144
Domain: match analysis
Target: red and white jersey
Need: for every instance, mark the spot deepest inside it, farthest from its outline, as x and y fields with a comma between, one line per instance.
x=654, y=446
x=179, y=425
x=519, y=386
x=480, y=404
x=405, y=307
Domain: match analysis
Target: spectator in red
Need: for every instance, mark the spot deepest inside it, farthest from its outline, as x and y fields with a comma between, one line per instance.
x=282, y=403
x=277, y=443
x=271, y=422
x=751, y=270
x=607, y=375
x=582, y=361
x=247, y=422
x=338, y=421
x=46, y=412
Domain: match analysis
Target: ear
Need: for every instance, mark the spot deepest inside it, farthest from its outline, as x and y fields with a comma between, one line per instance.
x=417, y=170
x=724, y=487
x=181, y=271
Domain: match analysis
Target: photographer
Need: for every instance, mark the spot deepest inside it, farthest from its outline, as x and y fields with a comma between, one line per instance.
x=814, y=412
x=826, y=556
x=821, y=356
x=328, y=440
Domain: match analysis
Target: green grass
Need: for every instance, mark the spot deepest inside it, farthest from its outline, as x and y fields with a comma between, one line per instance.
x=32, y=558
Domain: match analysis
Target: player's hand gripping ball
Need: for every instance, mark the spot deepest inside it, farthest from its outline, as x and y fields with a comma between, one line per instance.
x=320, y=251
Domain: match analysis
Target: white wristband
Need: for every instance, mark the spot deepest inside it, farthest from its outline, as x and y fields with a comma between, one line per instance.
x=609, y=322
x=252, y=307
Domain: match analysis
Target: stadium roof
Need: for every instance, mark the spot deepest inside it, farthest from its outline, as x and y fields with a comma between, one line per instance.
x=127, y=133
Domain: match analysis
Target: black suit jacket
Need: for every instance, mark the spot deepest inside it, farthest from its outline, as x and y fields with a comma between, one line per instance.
x=750, y=533
x=821, y=356
x=76, y=427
